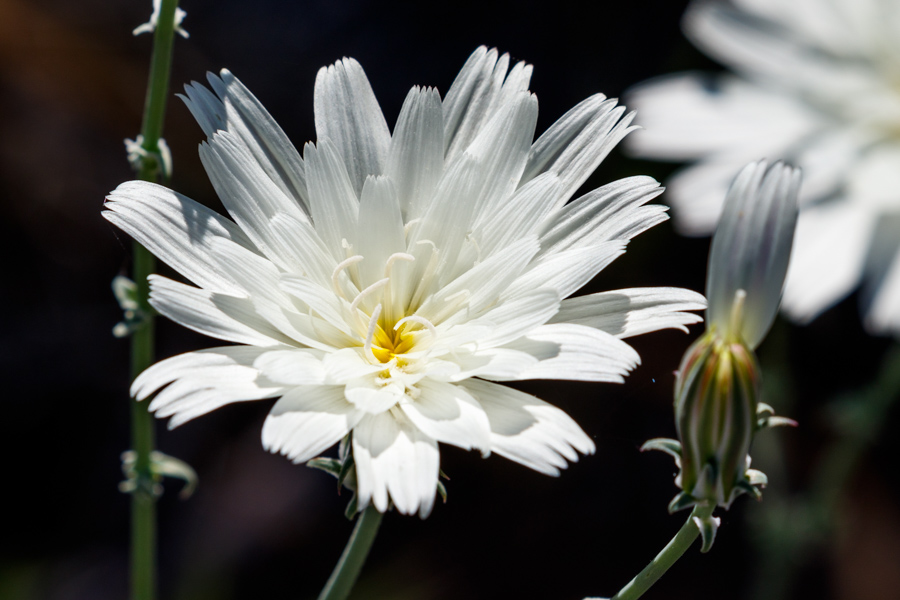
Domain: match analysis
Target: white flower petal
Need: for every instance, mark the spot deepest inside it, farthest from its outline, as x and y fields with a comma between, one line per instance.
x=347, y=364
x=527, y=430
x=501, y=148
x=202, y=382
x=566, y=271
x=322, y=302
x=394, y=459
x=308, y=253
x=308, y=420
x=614, y=211
x=348, y=114
x=449, y=414
x=224, y=317
x=263, y=282
x=689, y=116
x=575, y=352
x=248, y=193
x=519, y=217
x=416, y=156
x=828, y=258
x=368, y=395
x=634, y=311
x=170, y=369
x=177, y=230
x=881, y=294
x=241, y=113
x=207, y=108
x=697, y=193
x=751, y=248
x=496, y=364
x=474, y=98
x=447, y=222
x=578, y=143
x=333, y=202
x=292, y=367
x=874, y=183
x=482, y=285
x=511, y=319
x=380, y=228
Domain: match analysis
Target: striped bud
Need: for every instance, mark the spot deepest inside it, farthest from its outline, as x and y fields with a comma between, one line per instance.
x=716, y=397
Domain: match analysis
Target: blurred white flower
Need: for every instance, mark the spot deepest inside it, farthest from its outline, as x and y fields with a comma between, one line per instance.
x=381, y=283
x=817, y=82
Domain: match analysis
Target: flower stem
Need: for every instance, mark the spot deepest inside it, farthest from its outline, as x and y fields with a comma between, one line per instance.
x=347, y=570
x=143, y=499
x=676, y=547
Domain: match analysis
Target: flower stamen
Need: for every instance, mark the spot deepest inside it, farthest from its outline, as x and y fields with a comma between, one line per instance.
x=421, y=321
x=370, y=334
x=335, y=275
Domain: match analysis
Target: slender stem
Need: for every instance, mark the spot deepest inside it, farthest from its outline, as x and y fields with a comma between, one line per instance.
x=676, y=547
x=143, y=500
x=348, y=567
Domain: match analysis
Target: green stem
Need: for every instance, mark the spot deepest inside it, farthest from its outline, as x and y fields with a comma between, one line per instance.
x=143, y=500
x=347, y=570
x=676, y=547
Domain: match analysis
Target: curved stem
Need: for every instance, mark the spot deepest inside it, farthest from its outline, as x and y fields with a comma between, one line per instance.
x=347, y=570
x=143, y=500
x=676, y=547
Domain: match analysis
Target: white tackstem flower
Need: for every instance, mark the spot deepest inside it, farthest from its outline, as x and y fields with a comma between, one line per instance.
x=381, y=284
x=813, y=82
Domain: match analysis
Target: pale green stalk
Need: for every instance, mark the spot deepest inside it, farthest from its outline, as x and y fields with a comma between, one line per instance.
x=667, y=557
x=349, y=565
x=143, y=500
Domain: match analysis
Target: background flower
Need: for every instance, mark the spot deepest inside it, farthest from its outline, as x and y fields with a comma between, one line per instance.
x=815, y=83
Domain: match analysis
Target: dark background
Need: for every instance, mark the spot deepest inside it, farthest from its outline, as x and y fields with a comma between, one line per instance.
x=72, y=82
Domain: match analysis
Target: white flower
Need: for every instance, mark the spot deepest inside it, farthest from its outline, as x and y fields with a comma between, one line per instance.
x=380, y=284
x=816, y=84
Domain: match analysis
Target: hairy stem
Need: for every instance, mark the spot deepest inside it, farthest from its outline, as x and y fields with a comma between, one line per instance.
x=143, y=500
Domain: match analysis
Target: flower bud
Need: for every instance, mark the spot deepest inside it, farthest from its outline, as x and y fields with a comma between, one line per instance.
x=716, y=397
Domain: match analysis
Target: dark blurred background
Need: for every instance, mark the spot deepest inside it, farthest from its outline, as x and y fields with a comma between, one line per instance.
x=72, y=84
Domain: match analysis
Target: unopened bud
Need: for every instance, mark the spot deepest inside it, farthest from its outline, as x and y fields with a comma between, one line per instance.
x=716, y=397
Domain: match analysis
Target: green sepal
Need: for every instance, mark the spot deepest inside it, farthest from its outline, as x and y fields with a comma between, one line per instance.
x=667, y=445
x=781, y=422
x=332, y=466
x=352, y=508
x=708, y=527
x=745, y=487
x=161, y=465
x=347, y=474
x=756, y=477
x=680, y=502
x=442, y=490
x=765, y=417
